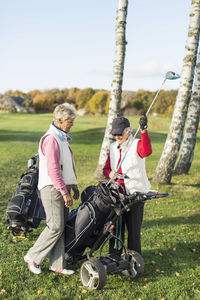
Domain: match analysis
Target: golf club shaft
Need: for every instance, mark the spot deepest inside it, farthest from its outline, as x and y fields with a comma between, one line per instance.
x=155, y=97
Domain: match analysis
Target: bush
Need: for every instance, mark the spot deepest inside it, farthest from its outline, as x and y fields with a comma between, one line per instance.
x=44, y=102
x=59, y=96
x=138, y=105
x=145, y=99
x=83, y=96
x=97, y=103
x=15, y=93
x=165, y=102
x=72, y=94
x=33, y=93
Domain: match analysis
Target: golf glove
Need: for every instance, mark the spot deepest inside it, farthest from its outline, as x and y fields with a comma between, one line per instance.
x=143, y=122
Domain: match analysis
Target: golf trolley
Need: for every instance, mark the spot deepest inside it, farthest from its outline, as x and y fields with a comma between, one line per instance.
x=92, y=225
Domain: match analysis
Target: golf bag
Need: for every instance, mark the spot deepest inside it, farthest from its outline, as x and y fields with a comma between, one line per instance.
x=99, y=204
x=25, y=208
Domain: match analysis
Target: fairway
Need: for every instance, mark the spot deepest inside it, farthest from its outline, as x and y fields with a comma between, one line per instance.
x=170, y=231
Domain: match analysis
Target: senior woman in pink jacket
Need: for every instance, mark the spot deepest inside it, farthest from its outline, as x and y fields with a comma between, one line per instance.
x=57, y=177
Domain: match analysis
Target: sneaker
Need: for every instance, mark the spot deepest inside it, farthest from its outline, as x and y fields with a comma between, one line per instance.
x=33, y=267
x=62, y=271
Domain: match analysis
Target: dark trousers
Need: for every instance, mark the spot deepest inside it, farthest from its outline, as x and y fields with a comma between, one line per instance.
x=133, y=221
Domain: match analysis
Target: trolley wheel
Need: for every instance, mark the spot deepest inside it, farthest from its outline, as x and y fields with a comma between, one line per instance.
x=136, y=264
x=138, y=261
x=93, y=274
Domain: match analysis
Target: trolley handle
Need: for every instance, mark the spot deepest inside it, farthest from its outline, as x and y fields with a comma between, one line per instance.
x=141, y=197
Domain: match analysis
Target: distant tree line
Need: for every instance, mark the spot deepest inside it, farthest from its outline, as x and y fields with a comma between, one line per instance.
x=91, y=101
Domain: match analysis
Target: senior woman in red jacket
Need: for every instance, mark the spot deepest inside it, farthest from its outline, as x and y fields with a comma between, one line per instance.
x=135, y=180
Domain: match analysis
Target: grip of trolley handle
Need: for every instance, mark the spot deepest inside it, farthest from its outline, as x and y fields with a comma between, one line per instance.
x=139, y=197
x=157, y=195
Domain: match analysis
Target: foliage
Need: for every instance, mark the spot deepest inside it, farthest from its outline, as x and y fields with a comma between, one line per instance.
x=97, y=103
x=27, y=103
x=170, y=231
x=138, y=105
x=144, y=97
x=72, y=94
x=33, y=93
x=165, y=102
x=65, y=93
x=59, y=96
x=83, y=96
x=44, y=101
x=15, y=93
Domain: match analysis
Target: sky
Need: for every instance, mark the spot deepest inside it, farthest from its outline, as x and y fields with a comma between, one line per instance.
x=49, y=44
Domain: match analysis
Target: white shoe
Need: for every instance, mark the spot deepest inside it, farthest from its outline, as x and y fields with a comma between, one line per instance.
x=33, y=267
x=62, y=271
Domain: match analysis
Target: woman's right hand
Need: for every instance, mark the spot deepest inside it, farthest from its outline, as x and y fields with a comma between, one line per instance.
x=112, y=175
x=68, y=200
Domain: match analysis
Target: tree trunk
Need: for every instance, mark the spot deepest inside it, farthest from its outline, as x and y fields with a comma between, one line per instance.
x=189, y=140
x=168, y=158
x=116, y=86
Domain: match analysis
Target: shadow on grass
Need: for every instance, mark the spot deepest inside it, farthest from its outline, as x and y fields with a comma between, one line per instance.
x=89, y=136
x=174, y=184
x=22, y=136
x=185, y=184
x=171, y=261
x=194, y=219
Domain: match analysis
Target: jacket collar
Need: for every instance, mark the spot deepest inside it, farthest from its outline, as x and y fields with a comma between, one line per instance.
x=126, y=144
x=63, y=136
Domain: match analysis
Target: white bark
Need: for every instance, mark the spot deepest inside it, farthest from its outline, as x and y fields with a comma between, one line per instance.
x=116, y=86
x=168, y=158
x=189, y=140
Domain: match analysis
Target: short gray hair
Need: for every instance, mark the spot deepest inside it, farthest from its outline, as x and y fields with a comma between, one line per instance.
x=127, y=129
x=64, y=111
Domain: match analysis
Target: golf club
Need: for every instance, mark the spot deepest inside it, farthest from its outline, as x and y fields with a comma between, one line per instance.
x=170, y=76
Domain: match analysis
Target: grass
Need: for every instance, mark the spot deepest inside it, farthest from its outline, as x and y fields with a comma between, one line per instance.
x=170, y=232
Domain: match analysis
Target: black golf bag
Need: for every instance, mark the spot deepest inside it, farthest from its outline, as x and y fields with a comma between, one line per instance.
x=86, y=223
x=25, y=208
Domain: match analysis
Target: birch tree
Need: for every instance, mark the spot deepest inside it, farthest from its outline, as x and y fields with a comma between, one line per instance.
x=116, y=86
x=189, y=140
x=168, y=158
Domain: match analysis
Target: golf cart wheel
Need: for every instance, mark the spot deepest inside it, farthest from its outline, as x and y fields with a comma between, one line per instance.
x=93, y=274
x=136, y=262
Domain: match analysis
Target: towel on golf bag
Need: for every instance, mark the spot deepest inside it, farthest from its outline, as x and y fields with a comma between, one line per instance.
x=86, y=222
x=25, y=208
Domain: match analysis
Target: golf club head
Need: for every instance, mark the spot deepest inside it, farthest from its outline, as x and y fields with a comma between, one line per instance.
x=172, y=75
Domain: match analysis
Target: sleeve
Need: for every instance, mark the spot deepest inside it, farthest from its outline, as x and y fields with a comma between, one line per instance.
x=144, y=147
x=107, y=167
x=51, y=151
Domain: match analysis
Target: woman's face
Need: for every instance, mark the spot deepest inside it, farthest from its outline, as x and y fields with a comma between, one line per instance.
x=66, y=124
x=122, y=138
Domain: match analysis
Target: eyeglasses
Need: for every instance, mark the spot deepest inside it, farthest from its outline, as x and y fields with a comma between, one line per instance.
x=117, y=134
